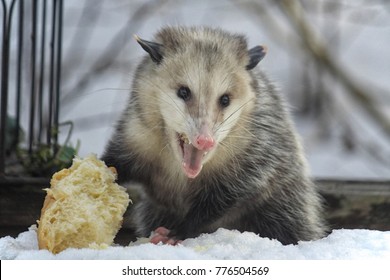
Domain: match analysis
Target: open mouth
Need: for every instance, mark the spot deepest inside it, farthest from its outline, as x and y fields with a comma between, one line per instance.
x=192, y=157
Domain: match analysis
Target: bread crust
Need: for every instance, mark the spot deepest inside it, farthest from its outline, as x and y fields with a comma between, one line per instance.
x=84, y=207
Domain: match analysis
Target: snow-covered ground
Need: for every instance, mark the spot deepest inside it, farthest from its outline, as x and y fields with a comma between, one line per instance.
x=223, y=244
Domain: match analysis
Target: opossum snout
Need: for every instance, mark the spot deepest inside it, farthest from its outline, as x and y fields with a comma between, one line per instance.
x=194, y=150
x=204, y=142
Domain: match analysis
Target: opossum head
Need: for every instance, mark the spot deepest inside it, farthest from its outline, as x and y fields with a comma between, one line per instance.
x=201, y=84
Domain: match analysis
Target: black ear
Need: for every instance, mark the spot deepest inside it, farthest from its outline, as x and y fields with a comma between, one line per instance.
x=255, y=55
x=153, y=49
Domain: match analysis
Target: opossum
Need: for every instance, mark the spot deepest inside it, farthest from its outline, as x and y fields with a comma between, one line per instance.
x=208, y=140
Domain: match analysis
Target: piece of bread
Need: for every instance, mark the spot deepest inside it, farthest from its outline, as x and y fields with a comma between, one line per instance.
x=83, y=208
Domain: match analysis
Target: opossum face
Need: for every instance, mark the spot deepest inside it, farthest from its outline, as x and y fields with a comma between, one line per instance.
x=199, y=109
x=203, y=91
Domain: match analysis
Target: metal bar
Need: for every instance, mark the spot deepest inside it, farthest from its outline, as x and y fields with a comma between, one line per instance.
x=51, y=78
x=7, y=23
x=58, y=73
x=33, y=91
x=4, y=90
x=42, y=73
x=19, y=69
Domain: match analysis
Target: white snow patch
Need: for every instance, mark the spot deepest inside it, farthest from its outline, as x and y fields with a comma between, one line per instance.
x=223, y=244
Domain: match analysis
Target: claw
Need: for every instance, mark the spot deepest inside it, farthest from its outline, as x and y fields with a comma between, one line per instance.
x=161, y=234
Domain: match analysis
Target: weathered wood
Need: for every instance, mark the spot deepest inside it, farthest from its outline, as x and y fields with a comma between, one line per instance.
x=20, y=205
x=357, y=204
x=349, y=204
x=23, y=181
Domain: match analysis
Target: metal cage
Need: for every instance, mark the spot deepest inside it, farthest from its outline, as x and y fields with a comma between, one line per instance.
x=30, y=78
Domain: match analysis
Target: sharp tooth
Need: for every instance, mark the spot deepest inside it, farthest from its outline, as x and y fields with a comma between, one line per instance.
x=184, y=138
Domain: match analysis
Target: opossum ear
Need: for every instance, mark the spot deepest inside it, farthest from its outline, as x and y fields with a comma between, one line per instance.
x=256, y=54
x=152, y=48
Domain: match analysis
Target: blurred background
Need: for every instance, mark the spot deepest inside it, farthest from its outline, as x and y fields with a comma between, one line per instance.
x=330, y=59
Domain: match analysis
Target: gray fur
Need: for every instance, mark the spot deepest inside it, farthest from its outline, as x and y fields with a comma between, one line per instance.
x=255, y=181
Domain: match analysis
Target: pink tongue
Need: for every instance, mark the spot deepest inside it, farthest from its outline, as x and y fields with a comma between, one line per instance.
x=192, y=160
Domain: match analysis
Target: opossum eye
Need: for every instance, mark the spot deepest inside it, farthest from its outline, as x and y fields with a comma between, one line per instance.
x=184, y=93
x=224, y=100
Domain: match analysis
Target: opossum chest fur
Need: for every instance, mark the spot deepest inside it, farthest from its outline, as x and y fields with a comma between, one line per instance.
x=208, y=142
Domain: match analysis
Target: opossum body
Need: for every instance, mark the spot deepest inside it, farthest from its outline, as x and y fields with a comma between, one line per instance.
x=208, y=140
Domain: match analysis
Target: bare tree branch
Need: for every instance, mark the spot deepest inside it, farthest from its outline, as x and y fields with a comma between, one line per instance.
x=113, y=50
x=90, y=14
x=294, y=11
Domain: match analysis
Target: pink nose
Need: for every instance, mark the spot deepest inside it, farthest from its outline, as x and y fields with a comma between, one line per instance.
x=205, y=142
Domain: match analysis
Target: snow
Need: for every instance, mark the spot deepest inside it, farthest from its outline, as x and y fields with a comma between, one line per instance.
x=356, y=244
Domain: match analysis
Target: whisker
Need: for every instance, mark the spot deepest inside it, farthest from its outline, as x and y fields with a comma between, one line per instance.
x=232, y=114
x=173, y=103
x=163, y=148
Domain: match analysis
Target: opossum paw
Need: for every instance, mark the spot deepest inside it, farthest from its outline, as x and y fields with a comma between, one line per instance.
x=161, y=234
